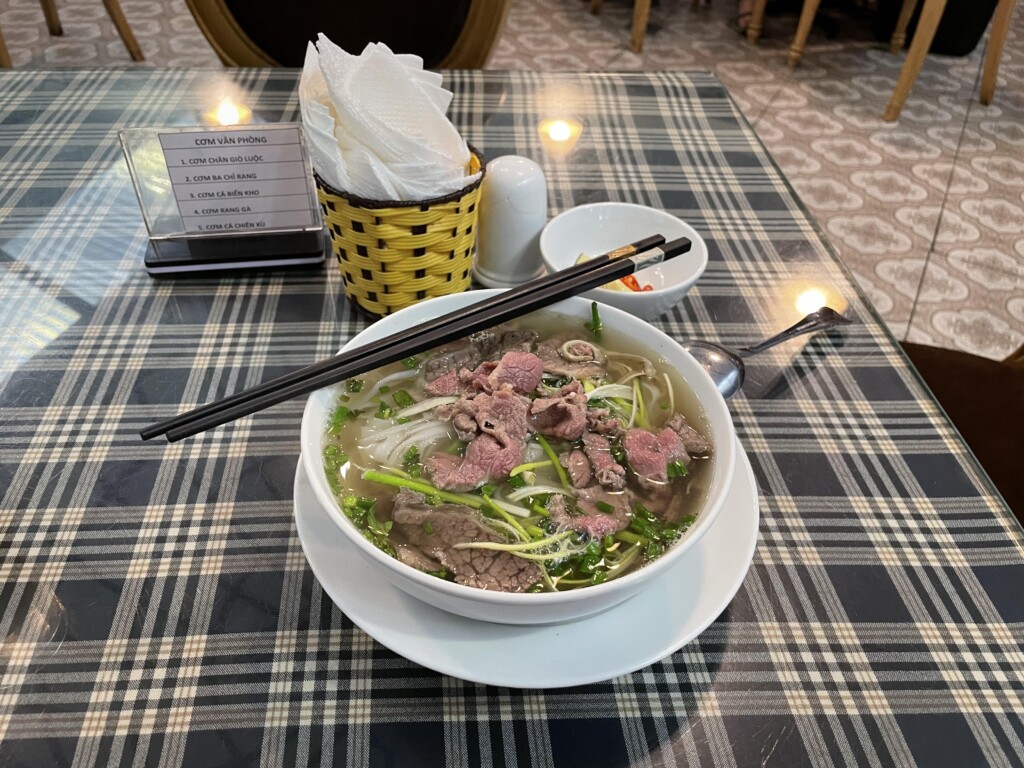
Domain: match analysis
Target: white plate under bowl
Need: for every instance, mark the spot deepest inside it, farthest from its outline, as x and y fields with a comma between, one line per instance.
x=664, y=617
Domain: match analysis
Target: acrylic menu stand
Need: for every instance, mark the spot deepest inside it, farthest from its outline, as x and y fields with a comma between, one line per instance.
x=225, y=198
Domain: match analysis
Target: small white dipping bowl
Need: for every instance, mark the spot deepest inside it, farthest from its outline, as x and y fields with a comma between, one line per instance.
x=598, y=228
x=537, y=608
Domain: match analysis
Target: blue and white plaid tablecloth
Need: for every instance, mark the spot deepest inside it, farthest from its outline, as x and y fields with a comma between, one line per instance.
x=155, y=605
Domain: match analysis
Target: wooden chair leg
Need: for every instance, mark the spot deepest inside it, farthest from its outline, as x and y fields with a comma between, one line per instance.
x=899, y=34
x=52, y=19
x=121, y=23
x=994, y=51
x=803, y=29
x=756, y=21
x=5, y=57
x=641, y=12
x=926, y=26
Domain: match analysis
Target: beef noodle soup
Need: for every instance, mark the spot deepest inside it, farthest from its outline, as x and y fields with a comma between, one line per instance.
x=533, y=457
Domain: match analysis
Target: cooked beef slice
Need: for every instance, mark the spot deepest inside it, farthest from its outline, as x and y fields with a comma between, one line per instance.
x=578, y=467
x=517, y=341
x=520, y=370
x=600, y=421
x=462, y=415
x=486, y=459
x=445, y=384
x=450, y=359
x=478, y=379
x=562, y=415
x=503, y=414
x=416, y=558
x=607, y=471
x=463, y=354
x=649, y=454
x=693, y=441
x=590, y=519
x=554, y=363
x=451, y=524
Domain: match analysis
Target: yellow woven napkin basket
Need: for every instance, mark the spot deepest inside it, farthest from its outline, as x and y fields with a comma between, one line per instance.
x=393, y=254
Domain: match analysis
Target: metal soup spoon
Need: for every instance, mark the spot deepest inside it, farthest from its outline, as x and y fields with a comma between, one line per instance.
x=726, y=367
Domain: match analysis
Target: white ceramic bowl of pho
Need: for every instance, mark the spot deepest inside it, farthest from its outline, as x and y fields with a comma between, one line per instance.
x=450, y=489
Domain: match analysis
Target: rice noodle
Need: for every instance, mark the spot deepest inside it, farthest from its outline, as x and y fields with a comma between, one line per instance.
x=648, y=365
x=671, y=394
x=383, y=448
x=426, y=435
x=611, y=390
x=380, y=433
x=370, y=392
x=512, y=509
x=630, y=377
x=536, y=490
x=426, y=405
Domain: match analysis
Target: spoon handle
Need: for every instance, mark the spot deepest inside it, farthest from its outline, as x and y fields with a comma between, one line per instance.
x=826, y=317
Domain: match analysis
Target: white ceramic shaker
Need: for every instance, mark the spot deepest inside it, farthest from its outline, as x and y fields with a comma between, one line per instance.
x=513, y=211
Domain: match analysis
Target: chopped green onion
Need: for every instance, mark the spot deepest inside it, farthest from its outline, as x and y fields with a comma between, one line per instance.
x=564, y=478
x=515, y=481
x=427, y=527
x=605, y=507
x=676, y=469
x=339, y=417
x=385, y=411
x=524, y=467
x=594, y=326
x=410, y=362
x=384, y=389
x=354, y=385
x=403, y=399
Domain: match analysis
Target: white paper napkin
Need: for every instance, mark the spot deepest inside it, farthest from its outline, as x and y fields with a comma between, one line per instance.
x=376, y=124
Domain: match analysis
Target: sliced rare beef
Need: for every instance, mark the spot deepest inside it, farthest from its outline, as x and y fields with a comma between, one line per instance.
x=462, y=415
x=446, y=384
x=557, y=364
x=600, y=421
x=607, y=471
x=521, y=371
x=434, y=532
x=486, y=459
x=590, y=519
x=479, y=379
x=503, y=414
x=649, y=453
x=577, y=466
x=562, y=415
x=693, y=440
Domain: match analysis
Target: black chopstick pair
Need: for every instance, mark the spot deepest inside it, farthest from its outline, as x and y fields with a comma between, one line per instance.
x=455, y=325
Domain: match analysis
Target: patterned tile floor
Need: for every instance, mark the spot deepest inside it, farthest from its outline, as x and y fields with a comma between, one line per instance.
x=928, y=212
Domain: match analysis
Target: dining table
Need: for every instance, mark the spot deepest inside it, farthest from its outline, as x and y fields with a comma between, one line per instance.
x=176, y=604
